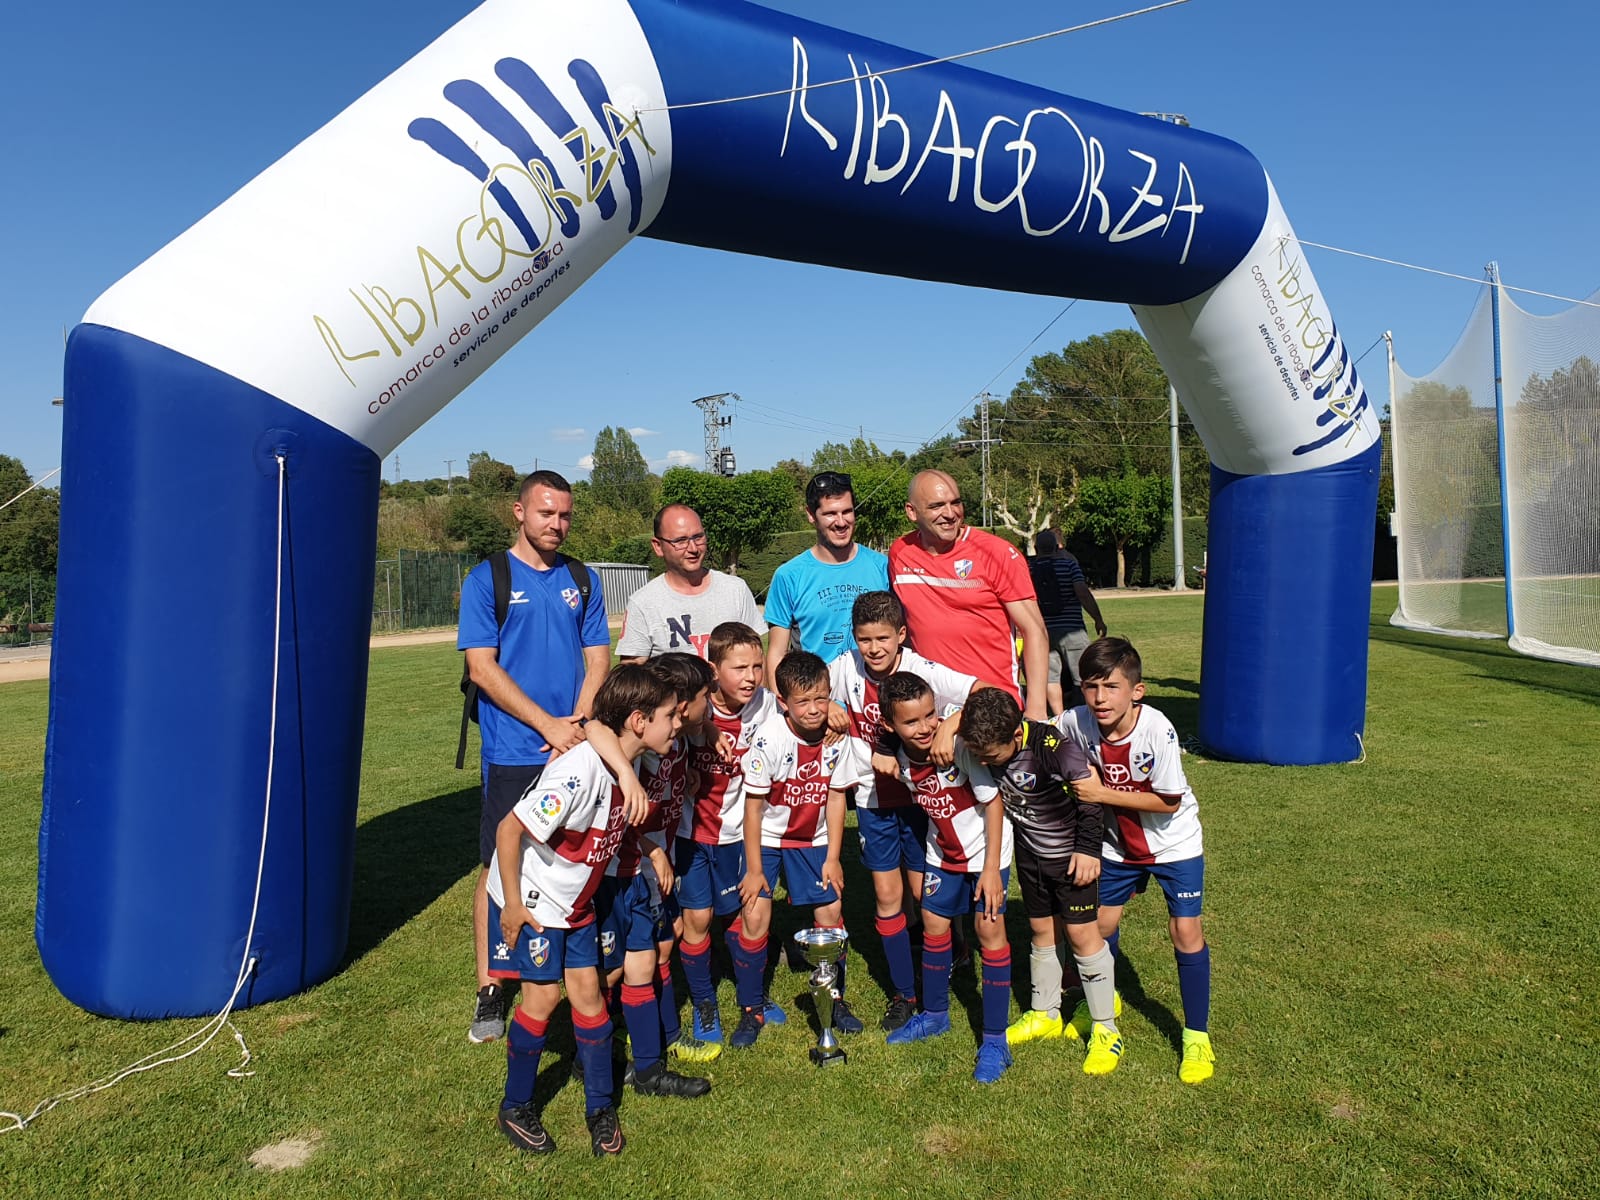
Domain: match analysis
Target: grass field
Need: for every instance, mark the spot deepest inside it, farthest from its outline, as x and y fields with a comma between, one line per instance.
x=1404, y=952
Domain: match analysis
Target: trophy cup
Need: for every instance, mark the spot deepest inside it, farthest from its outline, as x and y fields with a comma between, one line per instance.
x=822, y=948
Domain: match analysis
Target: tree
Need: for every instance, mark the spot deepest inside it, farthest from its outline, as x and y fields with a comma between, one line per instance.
x=487, y=476
x=1126, y=510
x=30, y=532
x=470, y=519
x=30, y=525
x=740, y=514
x=619, y=477
x=1098, y=407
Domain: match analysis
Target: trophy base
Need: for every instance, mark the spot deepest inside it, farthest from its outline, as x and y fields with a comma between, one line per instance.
x=827, y=1058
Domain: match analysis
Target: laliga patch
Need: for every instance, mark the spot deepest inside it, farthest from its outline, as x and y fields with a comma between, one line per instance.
x=550, y=805
x=963, y=567
x=570, y=595
x=539, y=951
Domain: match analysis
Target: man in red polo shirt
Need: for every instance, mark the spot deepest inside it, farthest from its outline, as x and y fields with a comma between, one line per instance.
x=967, y=593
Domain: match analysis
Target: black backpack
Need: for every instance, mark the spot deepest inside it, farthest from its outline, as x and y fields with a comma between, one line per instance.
x=500, y=570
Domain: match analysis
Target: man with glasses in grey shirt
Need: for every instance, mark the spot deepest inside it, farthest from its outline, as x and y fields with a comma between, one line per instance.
x=678, y=609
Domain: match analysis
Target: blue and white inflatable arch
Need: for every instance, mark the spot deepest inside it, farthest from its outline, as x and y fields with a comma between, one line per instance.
x=342, y=297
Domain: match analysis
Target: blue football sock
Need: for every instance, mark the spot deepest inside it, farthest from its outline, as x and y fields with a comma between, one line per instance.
x=642, y=1011
x=936, y=955
x=996, y=990
x=696, y=959
x=897, y=950
x=524, y=1044
x=671, y=1028
x=1194, y=987
x=748, y=961
x=594, y=1052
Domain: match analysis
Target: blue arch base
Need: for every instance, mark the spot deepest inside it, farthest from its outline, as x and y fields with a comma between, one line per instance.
x=155, y=768
x=1283, y=672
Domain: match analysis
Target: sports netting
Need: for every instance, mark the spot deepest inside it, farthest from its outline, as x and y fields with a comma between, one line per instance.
x=1551, y=368
x=1447, y=489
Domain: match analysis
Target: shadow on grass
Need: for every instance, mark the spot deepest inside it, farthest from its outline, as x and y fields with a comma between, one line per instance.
x=405, y=860
x=1159, y=1015
x=1498, y=662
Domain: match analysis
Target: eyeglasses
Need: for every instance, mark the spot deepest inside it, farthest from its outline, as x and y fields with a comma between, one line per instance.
x=693, y=539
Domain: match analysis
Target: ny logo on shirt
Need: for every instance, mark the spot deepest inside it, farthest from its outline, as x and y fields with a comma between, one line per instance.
x=678, y=628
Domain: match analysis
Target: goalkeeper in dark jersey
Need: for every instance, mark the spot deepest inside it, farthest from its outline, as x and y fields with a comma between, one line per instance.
x=1058, y=838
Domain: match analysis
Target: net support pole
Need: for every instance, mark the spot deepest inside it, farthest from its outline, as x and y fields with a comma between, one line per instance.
x=1493, y=271
x=1178, y=583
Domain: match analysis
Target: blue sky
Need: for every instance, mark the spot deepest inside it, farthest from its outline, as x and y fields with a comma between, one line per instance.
x=1445, y=136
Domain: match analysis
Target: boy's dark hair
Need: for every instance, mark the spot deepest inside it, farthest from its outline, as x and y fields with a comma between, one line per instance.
x=990, y=717
x=799, y=669
x=728, y=635
x=877, y=608
x=547, y=479
x=825, y=485
x=1108, y=654
x=687, y=674
x=629, y=689
x=901, y=688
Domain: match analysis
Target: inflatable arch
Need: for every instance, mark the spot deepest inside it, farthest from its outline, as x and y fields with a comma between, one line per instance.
x=276, y=352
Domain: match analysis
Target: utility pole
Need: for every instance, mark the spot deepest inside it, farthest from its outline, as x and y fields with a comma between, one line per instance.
x=710, y=406
x=983, y=441
x=1177, y=494
x=449, y=474
x=397, y=468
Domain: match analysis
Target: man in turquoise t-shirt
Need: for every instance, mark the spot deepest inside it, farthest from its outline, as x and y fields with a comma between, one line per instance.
x=811, y=595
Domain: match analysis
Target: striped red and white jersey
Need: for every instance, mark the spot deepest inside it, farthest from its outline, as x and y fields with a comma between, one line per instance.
x=717, y=816
x=794, y=777
x=1147, y=760
x=572, y=825
x=665, y=778
x=853, y=689
x=954, y=798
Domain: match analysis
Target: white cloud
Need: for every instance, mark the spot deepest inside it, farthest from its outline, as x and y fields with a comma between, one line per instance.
x=640, y=431
x=586, y=463
x=568, y=435
x=681, y=458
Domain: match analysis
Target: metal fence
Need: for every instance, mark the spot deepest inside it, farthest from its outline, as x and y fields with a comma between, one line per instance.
x=27, y=608
x=422, y=589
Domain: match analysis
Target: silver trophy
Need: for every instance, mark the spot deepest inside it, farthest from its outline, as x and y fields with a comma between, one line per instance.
x=822, y=948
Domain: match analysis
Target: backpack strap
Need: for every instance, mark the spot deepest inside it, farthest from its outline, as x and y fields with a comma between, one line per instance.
x=500, y=572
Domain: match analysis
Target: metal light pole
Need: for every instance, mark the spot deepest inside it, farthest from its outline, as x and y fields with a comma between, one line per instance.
x=1179, y=584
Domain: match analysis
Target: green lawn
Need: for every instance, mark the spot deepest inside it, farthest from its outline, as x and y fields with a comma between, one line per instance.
x=1403, y=952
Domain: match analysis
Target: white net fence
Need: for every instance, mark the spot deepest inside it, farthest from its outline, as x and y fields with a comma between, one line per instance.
x=1551, y=373
x=1447, y=489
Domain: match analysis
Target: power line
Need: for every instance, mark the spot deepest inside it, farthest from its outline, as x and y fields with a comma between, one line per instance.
x=917, y=66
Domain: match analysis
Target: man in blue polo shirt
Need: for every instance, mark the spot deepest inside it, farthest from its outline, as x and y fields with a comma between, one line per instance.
x=812, y=594
x=537, y=676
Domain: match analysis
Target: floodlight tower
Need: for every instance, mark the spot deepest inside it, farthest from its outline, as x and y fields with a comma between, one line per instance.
x=716, y=458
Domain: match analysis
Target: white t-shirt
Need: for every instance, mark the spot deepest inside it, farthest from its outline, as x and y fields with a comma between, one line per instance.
x=1147, y=760
x=795, y=778
x=855, y=691
x=572, y=825
x=659, y=619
